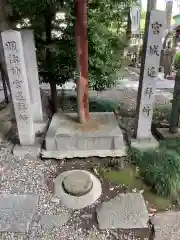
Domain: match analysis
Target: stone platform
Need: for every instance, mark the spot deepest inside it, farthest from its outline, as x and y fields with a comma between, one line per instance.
x=164, y=133
x=100, y=136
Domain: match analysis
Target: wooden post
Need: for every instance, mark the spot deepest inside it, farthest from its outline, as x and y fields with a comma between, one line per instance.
x=82, y=59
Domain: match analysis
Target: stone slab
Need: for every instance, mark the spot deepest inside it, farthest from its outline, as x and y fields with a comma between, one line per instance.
x=21, y=151
x=164, y=133
x=126, y=211
x=32, y=73
x=15, y=63
x=167, y=226
x=16, y=212
x=145, y=144
x=101, y=133
x=59, y=155
x=54, y=220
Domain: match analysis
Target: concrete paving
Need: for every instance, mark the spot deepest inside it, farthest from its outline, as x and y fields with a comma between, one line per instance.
x=16, y=212
x=126, y=211
x=50, y=221
x=167, y=226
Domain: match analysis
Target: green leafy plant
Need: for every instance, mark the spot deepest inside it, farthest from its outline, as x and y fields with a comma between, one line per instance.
x=177, y=61
x=160, y=168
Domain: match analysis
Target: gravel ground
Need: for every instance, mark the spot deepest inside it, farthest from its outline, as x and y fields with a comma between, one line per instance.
x=36, y=177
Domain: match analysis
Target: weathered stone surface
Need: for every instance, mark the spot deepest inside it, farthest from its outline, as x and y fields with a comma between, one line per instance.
x=32, y=73
x=15, y=62
x=145, y=144
x=148, y=78
x=167, y=226
x=78, y=183
x=75, y=202
x=126, y=211
x=21, y=151
x=54, y=220
x=16, y=212
x=101, y=134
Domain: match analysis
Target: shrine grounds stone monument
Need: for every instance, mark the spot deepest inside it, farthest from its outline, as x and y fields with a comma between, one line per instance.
x=147, y=85
x=16, y=68
x=19, y=51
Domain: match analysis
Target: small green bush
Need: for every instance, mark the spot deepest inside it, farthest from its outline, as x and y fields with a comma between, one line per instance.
x=160, y=168
x=163, y=172
x=162, y=112
x=173, y=144
x=102, y=105
x=177, y=61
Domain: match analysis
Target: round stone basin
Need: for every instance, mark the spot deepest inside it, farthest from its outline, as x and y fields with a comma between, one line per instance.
x=77, y=188
x=77, y=183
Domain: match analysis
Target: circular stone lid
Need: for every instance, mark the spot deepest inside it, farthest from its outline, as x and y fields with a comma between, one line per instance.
x=77, y=183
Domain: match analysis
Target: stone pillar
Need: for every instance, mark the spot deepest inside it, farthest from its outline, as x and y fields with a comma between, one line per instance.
x=15, y=62
x=32, y=73
x=148, y=75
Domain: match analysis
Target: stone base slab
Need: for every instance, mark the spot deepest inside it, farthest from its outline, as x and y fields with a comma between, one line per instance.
x=83, y=154
x=166, y=226
x=164, y=133
x=125, y=211
x=21, y=151
x=100, y=136
x=16, y=213
x=145, y=144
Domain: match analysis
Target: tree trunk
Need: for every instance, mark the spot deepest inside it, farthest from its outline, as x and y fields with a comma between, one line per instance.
x=4, y=25
x=129, y=23
x=82, y=59
x=169, y=7
x=175, y=111
x=48, y=22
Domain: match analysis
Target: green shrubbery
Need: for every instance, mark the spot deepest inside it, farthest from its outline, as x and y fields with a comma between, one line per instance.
x=177, y=61
x=161, y=167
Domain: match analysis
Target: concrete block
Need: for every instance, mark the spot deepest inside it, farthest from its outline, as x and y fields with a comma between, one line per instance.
x=126, y=211
x=167, y=226
x=51, y=133
x=101, y=133
x=145, y=144
x=21, y=151
x=164, y=133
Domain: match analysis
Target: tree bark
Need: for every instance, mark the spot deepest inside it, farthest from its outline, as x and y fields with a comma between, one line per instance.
x=175, y=111
x=82, y=59
x=4, y=25
x=169, y=7
x=48, y=27
x=129, y=23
